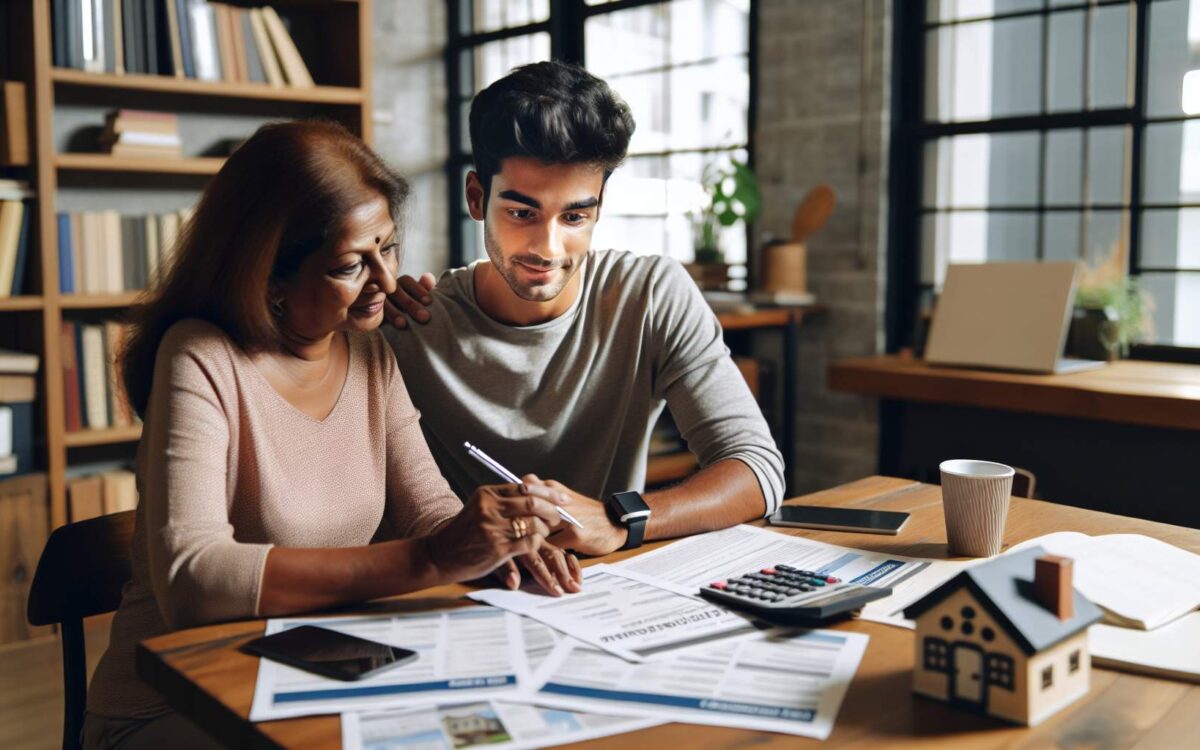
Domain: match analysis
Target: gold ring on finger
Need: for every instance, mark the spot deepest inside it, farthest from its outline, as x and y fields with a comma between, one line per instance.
x=519, y=527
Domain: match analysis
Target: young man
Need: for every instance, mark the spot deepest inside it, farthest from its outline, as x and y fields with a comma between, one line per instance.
x=556, y=359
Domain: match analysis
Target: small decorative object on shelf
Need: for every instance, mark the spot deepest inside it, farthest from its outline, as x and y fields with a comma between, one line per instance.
x=1112, y=311
x=1007, y=638
x=731, y=195
x=785, y=263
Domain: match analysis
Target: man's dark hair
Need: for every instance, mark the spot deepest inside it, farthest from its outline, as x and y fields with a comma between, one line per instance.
x=553, y=111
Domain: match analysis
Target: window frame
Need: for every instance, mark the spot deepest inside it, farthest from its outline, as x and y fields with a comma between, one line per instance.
x=565, y=25
x=910, y=132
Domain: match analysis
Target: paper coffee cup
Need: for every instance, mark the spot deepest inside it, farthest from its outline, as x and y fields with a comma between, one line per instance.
x=975, y=498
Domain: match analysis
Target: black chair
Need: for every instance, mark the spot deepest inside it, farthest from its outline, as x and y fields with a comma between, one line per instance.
x=80, y=574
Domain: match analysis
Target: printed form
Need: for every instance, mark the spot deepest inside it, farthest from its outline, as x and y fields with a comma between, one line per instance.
x=778, y=681
x=463, y=654
x=634, y=616
x=696, y=561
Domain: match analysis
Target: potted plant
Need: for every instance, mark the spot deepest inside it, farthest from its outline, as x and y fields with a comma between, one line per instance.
x=1111, y=310
x=731, y=195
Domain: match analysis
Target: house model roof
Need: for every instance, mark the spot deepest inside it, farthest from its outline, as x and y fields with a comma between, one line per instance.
x=1004, y=587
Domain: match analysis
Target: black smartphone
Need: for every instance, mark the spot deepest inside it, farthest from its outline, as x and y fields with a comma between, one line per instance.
x=329, y=653
x=839, y=519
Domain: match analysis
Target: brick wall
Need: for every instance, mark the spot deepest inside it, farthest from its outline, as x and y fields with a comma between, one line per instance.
x=822, y=117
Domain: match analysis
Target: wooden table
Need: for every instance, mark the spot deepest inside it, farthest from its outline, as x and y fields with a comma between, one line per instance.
x=1121, y=439
x=203, y=675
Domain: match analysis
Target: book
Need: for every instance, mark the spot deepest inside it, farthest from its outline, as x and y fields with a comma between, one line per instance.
x=150, y=37
x=95, y=377
x=66, y=281
x=184, y=20
x=238, y=40
x=108, y=37
x=23, y=242
x=289, y=57
x=12, y=213
x=175, y=36
x=8, y=465
x=254, y=64
x=20, y=436
x=266, y=51
x=86, y=498
x=14, y=125
x=6, y=424
x=111, y=249
x=204, y=41
x=72, y=404
x=91, y=29
x=17, y=388
x=118, y=12
x=132, y=22
x=58, y=27
x=76, y=245
x=74, y=16
x=18, y=363
x=229, y=71
x=119, y=490
x=1155, y=652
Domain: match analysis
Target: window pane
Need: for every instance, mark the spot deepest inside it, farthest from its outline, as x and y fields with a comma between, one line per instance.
x=1107, y=165
x=1175, y=308
x=950, y=10
x=489, y=15
x=1064, y=168
x=1107, y=236
x=1173, y=50
x=975, y=237
x=1064, y=76
x=672, y=33
x=487, y=63
x=1109, y=73
x=1062, y=235
x=1172, y=162
x=986, y=69
x=1171, y=238
x=982, y=171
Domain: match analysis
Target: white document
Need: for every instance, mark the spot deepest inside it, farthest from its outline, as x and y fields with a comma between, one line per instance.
x=778, y=681
x=1172, y=651
x=491, y=724
x=1140, y=582
x=463, y=654
x=699, y=560
x=633, y=616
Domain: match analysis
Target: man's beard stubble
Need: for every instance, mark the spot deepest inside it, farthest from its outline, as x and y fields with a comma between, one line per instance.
x=508, y=272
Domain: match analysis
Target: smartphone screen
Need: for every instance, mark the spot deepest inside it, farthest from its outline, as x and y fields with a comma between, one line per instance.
x=840, y=519
x=329, y=653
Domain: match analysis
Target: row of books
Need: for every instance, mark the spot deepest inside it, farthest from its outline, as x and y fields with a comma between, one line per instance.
x=16, y=225
x=130, y=132
x=93, y=395
x=98, y=494
x=104, y=252
x=182, y=38
x=18, y=388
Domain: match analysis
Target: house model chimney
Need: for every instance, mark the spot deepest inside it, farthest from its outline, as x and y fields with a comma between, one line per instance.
x=1052, y=585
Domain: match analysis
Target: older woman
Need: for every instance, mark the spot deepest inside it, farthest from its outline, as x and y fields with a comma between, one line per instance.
x=279, y=436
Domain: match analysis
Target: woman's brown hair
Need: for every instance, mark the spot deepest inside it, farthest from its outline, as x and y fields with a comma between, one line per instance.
x=281, y=196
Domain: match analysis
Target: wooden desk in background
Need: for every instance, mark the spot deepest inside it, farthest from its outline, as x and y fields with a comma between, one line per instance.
x=1122, y=439
x=204, y=676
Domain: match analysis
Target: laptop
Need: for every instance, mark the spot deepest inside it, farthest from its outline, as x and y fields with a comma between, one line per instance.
x=1006, y=316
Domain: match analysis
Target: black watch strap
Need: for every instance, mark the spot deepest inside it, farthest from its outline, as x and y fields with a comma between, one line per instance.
x=630, y=510
x=637, y=532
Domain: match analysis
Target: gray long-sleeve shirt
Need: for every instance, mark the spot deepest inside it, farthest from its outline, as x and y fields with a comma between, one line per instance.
x=575, y=398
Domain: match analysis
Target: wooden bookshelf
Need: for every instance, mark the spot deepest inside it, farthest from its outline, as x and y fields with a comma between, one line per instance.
x=345, y=60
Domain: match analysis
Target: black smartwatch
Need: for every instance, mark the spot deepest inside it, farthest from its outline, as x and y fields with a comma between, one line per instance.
x=628, y=509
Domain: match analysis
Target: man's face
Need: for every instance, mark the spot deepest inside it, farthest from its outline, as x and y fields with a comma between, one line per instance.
x=539, y=222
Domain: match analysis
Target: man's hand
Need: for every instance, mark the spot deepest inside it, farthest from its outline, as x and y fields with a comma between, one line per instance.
x=555, y=570
x=599, y=535
x=410, y=298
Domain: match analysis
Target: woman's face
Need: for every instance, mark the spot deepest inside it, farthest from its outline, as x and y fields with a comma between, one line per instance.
x=341, y=287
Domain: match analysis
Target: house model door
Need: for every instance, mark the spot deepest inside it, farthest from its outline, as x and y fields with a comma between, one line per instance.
x=968, y=673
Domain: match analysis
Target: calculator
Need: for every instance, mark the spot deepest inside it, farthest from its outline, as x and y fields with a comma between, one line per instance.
x=791, y=596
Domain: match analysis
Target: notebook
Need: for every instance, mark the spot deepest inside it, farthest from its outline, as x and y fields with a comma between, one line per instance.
x=1172, y=651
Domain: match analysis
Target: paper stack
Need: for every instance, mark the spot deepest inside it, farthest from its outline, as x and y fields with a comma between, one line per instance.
x=135, y=133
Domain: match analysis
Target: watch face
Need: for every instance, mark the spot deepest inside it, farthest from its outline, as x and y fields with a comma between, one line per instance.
x=631, y=502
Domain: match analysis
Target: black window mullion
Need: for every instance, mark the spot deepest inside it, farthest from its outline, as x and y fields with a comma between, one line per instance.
x=1141, y=71
x=454, y=48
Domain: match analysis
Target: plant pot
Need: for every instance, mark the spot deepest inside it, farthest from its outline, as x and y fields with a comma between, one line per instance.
x=709, y=276
x=1094, y=334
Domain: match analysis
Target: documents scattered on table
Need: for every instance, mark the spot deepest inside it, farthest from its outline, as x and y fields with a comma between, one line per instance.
x=629, y=614
x=465, y=654
x=778, y=681
x=1172, y=651
x=1138, y=581
x=696, y=561
x=492, y=724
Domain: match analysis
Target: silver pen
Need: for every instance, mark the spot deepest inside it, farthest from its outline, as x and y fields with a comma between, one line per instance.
x=499, y=470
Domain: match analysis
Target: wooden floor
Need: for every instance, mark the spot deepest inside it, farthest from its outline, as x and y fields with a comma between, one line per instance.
x=31, y=696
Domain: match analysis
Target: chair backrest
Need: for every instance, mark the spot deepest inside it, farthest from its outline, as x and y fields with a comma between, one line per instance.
x=81, y=573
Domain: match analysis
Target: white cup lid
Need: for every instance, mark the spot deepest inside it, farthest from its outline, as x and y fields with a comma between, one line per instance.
x=966, y=467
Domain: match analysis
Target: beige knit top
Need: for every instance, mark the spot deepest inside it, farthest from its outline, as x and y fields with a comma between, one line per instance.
x=227, y=468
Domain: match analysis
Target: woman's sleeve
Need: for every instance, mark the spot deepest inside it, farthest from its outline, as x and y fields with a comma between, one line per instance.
x=198, y=571
x=418, y=496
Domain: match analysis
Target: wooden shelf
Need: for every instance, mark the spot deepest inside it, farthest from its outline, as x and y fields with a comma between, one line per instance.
x=98, y=301
x=216, y=89
x=767, y=317
x=203, y=165
x=108, y=436
x=24, y=302
x=670, y=467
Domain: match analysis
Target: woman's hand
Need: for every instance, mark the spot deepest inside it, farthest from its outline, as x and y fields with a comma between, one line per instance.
x=410, y=298
x=498, y=523
x=556, y=570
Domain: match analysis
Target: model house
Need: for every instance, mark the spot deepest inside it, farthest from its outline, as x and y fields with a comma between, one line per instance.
x=1006, y=638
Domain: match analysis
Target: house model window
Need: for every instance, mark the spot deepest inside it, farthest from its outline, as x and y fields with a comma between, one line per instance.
x=937, y=654
x=1000, y=670
x=1047, y=677
x=1074, y=661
